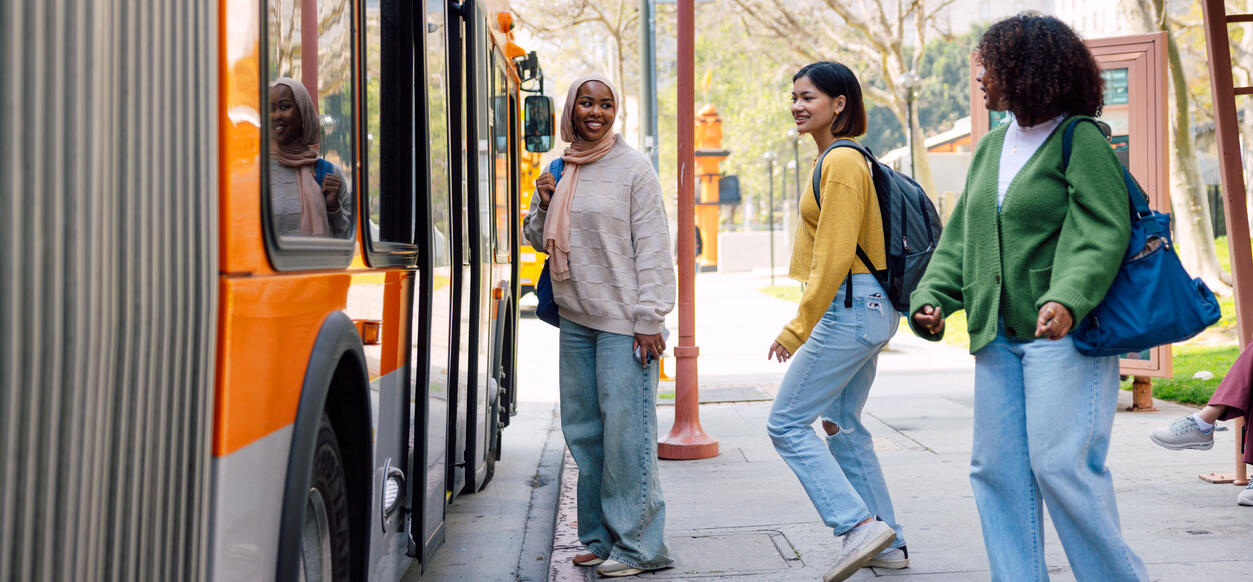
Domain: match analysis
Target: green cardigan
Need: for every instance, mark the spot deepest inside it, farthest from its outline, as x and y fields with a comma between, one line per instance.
x=1058, y=237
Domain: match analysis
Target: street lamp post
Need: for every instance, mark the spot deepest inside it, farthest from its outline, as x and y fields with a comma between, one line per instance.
x=769, y=156
x=796, y=161
x=910, y=82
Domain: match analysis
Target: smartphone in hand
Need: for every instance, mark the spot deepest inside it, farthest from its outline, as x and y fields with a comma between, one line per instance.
x=639, y=350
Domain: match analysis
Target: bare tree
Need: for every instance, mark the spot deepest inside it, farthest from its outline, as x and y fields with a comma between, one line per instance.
x=885, y=38
x=1188, y=198
x=579, y=27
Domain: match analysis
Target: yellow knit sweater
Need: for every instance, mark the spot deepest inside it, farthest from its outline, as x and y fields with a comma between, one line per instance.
x=827, y=239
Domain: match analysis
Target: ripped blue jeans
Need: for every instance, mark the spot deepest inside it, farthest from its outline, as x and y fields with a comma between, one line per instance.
x=830, y=377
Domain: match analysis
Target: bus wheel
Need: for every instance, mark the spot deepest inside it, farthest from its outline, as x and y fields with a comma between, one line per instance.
x=324, y=536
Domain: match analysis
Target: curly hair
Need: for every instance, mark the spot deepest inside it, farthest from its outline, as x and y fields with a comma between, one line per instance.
x=1043, y=67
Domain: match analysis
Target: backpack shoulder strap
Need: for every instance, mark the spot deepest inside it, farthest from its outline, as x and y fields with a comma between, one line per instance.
x=1139, y=203
x=556, y=168
x=839, y=143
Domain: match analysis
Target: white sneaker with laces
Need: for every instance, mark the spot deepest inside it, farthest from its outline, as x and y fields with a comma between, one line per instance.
x=1246, y=496
x=861, y=544
x=616, y=569
x=891, y=558
x=1183, y=433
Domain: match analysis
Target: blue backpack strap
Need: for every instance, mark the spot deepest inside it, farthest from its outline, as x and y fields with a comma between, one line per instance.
x=556, y=168
x=321, y=169
x=1135, y=194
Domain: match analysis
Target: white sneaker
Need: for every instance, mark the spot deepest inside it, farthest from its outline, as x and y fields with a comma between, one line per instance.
x=891, y=558
x=616, y=569
x=861, y=544
x=1246, y=496
x=1183, y=433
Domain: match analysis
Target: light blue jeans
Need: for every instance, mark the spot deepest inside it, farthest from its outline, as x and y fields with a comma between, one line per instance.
x=1043, y=415
x=830, y=376
x=609, y=418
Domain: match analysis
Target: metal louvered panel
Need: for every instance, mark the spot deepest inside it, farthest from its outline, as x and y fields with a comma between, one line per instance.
x=108, y=287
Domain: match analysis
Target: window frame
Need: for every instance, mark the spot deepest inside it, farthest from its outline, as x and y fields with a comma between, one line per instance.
x=382, y=253
x=304, y=253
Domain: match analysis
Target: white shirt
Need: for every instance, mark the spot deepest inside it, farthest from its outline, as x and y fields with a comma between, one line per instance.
x=1020, y=144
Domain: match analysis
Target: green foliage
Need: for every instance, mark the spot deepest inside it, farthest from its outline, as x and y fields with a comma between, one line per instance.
x=1187, y=361
x=945, y=93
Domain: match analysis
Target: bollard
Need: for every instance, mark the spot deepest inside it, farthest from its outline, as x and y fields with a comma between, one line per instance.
x=1142, y=395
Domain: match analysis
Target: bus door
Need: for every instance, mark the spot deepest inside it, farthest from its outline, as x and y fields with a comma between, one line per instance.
x=462, y=285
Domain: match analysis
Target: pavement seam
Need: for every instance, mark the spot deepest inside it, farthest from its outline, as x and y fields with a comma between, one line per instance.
x=565, y=531
x=538, y=521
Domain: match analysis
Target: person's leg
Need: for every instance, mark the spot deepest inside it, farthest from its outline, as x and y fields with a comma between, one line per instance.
x=819, y=371
x=852, y=444
x=1000, y=474
x=630, y=496
x=581, y=424
x=1071, y=399
x=1211, y=412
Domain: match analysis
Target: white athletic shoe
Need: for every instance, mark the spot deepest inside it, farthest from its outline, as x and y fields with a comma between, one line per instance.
x=1183, y=433
x=1246, y=496
x=861, y=544
x=891, y=558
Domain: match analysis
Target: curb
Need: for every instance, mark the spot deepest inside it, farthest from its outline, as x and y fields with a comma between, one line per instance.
x=566, y=528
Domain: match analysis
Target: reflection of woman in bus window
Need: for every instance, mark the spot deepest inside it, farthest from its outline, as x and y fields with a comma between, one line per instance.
x=308, y=195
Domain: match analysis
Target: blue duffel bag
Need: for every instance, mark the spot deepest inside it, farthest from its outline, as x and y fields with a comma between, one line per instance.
x=1153, y=301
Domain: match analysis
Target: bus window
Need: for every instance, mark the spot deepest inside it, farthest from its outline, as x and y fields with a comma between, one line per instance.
x=502, y=190
x=309, y=121
x=390, y=213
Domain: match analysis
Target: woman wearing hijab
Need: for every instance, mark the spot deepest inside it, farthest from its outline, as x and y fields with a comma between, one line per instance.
x=605, y=231
x=300, y=204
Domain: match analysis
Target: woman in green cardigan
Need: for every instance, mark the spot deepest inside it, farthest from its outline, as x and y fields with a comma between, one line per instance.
x=1031, y=248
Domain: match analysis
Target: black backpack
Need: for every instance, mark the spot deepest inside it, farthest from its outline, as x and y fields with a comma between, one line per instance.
x=911, y=226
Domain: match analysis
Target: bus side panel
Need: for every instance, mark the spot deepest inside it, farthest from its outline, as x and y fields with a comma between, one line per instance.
x=268, y=328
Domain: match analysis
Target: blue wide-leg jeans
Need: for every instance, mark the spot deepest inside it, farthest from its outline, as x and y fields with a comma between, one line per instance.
x=609, y=418
x=830, y=377
x=1043, y=416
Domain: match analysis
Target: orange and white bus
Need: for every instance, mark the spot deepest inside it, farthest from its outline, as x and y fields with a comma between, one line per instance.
x=222, y=364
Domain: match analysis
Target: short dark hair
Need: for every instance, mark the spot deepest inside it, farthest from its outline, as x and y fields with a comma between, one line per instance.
x=835, y=79
x=1043, y=67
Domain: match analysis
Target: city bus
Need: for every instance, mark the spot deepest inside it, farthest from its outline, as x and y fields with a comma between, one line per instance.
x=262, y=281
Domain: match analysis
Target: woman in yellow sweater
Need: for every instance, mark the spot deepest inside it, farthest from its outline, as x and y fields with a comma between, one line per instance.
x=843, y=321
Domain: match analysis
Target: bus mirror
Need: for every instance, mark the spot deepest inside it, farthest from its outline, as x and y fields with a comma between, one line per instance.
x=539, y=123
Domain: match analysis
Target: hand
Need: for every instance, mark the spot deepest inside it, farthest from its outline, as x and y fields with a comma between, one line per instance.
x=544, y=186
x=330, y=191
x=1054, y=321
x=653, y=344
x=930, y=318
x=778, y=352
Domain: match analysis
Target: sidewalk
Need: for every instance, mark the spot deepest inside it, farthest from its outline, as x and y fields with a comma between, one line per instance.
x=744, y=515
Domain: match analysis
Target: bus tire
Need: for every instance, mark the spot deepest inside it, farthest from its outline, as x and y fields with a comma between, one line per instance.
x=325, y=542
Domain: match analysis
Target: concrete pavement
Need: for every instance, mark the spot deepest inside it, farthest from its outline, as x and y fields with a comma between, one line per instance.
x=743, y=514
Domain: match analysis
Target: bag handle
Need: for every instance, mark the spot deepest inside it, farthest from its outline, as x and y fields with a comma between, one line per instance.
x=1139, y=204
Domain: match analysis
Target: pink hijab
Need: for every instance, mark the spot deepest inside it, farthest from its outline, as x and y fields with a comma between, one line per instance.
x=580, y=152
x=302, y=156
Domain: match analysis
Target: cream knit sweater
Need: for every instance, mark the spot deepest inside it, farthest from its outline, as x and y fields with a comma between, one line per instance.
x=621, y=273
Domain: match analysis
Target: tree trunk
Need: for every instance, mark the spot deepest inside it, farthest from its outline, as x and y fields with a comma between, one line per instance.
x=1188, y=197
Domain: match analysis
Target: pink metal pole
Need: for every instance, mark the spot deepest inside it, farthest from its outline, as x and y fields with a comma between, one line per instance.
x=309, y=48
x=1232, y=166
x=687, y=440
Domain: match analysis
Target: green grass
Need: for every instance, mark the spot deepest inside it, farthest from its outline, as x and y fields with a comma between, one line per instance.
x=1189, y=360
x=789, y=292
